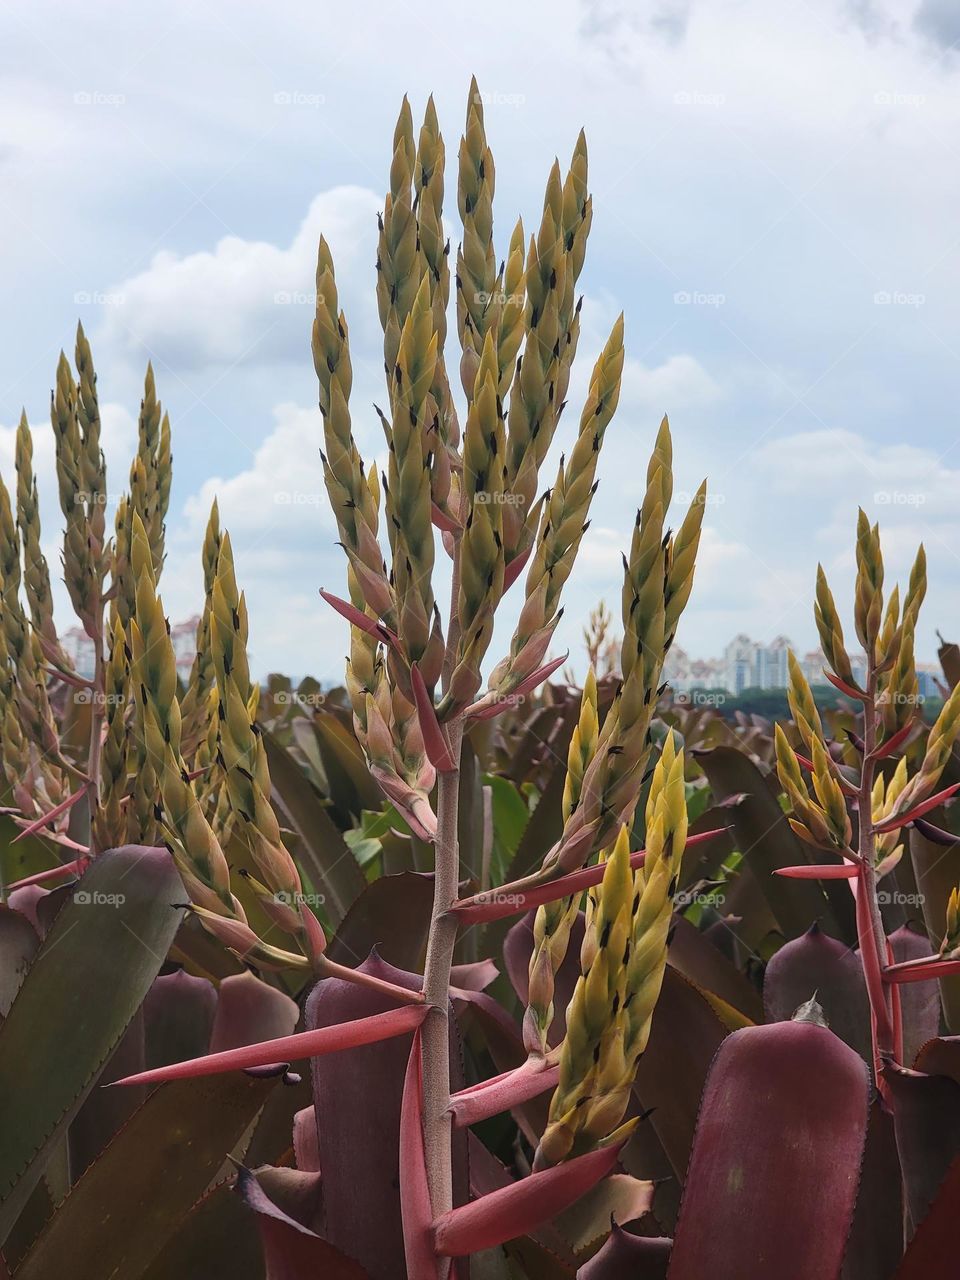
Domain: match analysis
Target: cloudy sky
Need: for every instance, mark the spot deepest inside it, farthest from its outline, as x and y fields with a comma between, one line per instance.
x=775, y=209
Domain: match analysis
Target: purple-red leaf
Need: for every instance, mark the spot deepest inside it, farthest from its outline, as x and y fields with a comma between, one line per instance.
x=249, y=1012
x=849, y=689
x=932, y=1254
x=474, y=976
x=628, y=1257
x=818, y=965
x=306, y=1149
x=926, y=1113
x=772, y=1181
x=520, y=1208
x=304, y=1044
x=484, y=710
x=358, y=1103
x=287, y=1204
x=919, y=1001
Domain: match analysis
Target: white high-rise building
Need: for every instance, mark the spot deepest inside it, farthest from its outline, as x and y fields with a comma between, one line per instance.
x=738, y=664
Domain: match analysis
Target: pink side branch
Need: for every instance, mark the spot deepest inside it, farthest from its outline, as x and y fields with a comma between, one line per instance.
x=52, y=873
x=514, y=900
x=897, y=740
x=820, y=871
x=521, y=1207
x=303, y=1044
x=434, y=743
x=490, y=705
x=901, y=819
x=850, y=690
x=357, y=618
x=533, y=1078
x=920, y=970
x=443, y=521
x=63, y=807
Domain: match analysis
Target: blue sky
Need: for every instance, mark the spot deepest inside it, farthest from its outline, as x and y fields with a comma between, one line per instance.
x=775, y=195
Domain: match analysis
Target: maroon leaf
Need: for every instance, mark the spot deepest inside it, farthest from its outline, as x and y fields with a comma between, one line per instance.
x=486, y=710
x=518, y=1209
x=697, y=958
x=919, y=1001
x=849, y=689
x=776, y=1160
x=926, y=1112
x=895, y=741
x=685, y=1035
x=875, y=1244
x=628, y=1257
x=178, y=1015
x=358, y=1102
x=476, y=975
x=249, y=1011
x=816, y=965
x=392, y=917
x=306, y=1149
x=287, y=1204
x=932, y=1254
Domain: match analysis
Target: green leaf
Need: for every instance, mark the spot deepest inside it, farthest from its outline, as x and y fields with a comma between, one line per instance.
x=119, y=1216
x=87, y=982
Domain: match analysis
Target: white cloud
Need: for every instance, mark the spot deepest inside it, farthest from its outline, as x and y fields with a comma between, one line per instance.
x=245, y=301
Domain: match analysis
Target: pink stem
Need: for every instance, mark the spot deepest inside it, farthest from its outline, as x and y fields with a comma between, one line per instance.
x=534, y=1077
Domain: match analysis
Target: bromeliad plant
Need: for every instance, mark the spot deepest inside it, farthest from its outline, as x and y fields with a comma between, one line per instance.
x=415, y=682
x=858, y=784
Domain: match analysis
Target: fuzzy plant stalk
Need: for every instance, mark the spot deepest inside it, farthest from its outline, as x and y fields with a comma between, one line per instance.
x=464, y=477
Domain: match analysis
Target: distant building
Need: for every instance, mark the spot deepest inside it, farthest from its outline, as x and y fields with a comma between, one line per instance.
x=78, y=647
x=184, y=639
x=739, y=664
x=771, y=670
